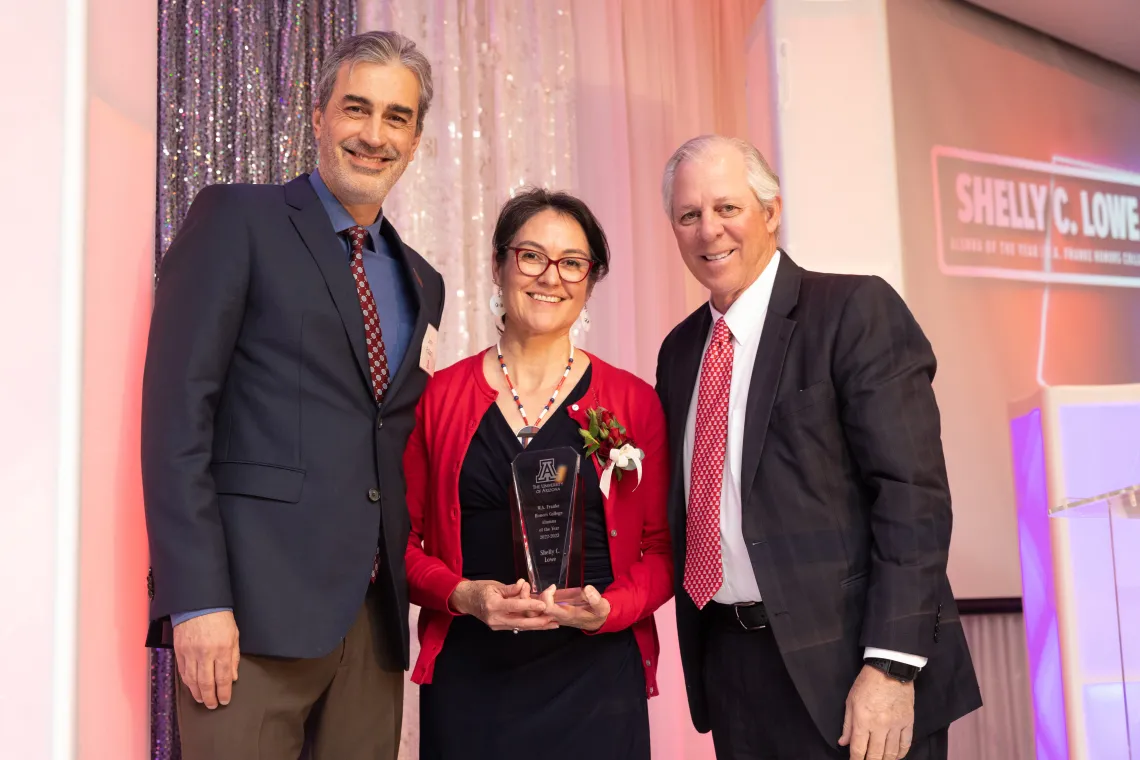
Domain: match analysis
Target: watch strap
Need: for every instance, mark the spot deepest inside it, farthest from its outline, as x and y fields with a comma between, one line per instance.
x=899, y=671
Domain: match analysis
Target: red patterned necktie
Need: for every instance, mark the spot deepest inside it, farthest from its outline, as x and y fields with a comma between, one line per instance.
x=704, y=573
x=373, y=338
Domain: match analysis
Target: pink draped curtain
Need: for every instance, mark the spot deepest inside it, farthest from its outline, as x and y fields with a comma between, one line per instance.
x=650, y=75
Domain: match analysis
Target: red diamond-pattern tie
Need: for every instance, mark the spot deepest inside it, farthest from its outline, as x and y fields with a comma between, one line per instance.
x=373, y=338
x=704, y=573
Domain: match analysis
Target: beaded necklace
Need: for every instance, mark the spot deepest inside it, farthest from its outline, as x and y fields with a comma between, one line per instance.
x=530, y=431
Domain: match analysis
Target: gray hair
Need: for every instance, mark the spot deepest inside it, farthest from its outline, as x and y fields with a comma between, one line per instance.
x=763, y=181
x=381, y=48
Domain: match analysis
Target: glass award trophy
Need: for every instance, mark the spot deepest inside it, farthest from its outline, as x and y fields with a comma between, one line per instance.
x=548, y=521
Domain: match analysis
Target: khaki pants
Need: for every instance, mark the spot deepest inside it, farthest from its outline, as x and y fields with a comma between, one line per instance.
x=343, y=706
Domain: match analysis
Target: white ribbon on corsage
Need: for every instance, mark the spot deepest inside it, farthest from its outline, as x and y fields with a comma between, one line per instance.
x=628, y=457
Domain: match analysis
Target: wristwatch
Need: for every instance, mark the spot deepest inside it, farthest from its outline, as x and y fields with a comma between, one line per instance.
x=899, y=671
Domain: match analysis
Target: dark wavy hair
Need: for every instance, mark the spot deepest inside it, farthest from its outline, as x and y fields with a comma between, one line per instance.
x=518, y=211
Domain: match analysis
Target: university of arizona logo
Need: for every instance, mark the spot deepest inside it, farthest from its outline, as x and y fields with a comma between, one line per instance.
x=546, y=472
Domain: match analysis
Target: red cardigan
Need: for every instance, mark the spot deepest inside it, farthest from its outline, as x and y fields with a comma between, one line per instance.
x=446, y=419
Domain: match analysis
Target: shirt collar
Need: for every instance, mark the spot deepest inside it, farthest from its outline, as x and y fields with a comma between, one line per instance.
x=746, y=315
x=338, y=214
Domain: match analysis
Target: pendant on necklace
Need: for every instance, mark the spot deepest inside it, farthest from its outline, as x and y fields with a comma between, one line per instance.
x=526, y=434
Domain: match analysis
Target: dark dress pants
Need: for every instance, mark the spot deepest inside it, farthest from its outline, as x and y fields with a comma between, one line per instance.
x=755, y=710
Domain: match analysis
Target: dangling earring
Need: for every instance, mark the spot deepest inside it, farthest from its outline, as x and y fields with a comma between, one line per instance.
x=581, y=325
x=498, y=310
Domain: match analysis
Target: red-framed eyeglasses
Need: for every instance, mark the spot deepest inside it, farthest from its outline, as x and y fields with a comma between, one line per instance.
x=534, y=264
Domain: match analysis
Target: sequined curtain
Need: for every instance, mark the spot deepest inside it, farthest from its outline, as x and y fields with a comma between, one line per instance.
x=502, y=117
x=235, y=86
x=236, y=80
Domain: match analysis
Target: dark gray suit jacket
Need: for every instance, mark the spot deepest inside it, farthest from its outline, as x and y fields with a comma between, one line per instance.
x=269, y=473
x=846, y=507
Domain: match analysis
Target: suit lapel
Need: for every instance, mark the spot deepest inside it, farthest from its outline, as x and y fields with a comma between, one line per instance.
x=685, y=368
x=767, y=369
x=412, y=263
x=312, y=223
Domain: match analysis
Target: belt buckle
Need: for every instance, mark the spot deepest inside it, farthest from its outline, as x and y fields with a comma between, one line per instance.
x=736, y=611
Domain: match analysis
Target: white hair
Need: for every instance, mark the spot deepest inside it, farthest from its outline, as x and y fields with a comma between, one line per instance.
x=763, y=181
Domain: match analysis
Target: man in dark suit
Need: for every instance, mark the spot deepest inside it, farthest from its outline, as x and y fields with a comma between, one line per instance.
x=809, y=505
x=292, y=335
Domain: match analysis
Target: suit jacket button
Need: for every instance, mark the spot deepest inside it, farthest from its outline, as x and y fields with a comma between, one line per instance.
x=613, y=533
x=373, y=495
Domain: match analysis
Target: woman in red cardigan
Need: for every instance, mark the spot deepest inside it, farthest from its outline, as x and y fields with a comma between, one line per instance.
x=505, y=671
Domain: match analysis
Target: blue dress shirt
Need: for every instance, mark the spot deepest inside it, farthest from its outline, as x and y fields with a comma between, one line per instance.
x=389, y=283
x=386, y=276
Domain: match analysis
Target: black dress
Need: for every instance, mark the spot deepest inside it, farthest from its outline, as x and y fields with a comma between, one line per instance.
x=550, y=694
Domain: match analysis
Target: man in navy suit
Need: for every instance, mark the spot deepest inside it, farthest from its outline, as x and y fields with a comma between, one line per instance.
x=292, y=335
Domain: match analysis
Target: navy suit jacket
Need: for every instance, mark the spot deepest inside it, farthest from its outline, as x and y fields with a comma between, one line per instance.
x=269, y=471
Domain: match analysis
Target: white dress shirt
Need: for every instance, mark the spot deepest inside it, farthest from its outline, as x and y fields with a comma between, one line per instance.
x=745, y=319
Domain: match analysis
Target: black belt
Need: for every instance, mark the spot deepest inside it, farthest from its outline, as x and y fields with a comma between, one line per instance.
x=751, y=616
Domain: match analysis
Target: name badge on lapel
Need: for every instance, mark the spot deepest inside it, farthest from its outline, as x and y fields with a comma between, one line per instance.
x=427, y=351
